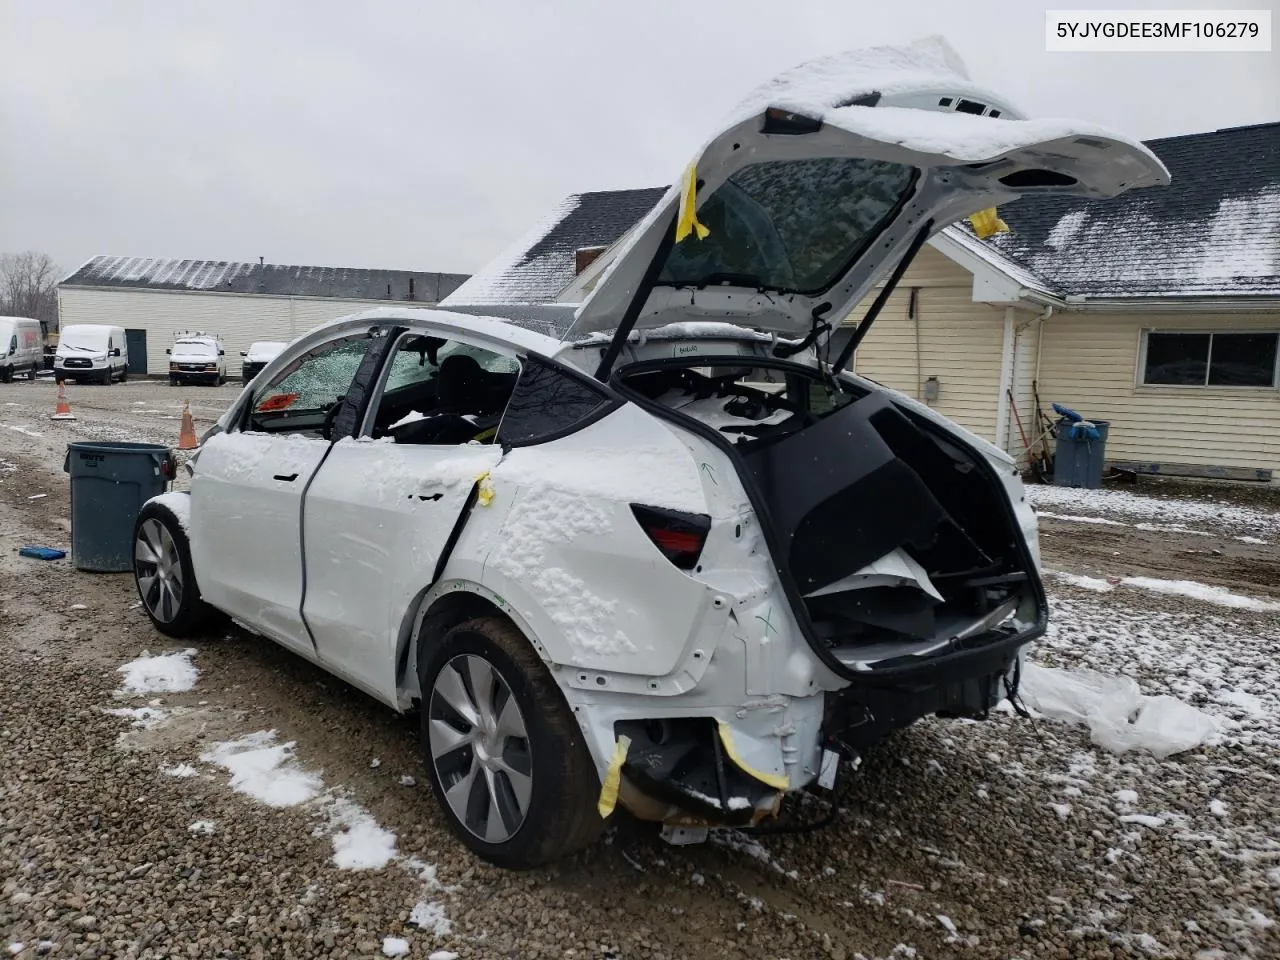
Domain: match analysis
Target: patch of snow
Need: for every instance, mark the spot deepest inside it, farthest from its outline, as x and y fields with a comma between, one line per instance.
x=1142, y=819
x=1126, y=797
x=15, y=948
x=430, y=916
x=180, y=770
x=1063, y=810
x=1200, y=591
x=1118, y=715
x=1100, y=521
x=1085, y=583
x=1217, y=808
x=442, y=955
x=395, y=947
x=1066, y=228
x=359, y=843
x=1255, y=540
x=948, y=924
x=1245, y=702
x=167, y=673
x=264, y=769
x=407, y=781
x=201, y=827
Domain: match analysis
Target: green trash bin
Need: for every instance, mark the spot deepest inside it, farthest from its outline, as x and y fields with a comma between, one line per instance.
x=110, y=481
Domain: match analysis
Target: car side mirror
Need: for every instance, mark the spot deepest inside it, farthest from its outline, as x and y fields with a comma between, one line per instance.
x=243, y=353
x=167, y=350
x=115, y=352
x=222, y=353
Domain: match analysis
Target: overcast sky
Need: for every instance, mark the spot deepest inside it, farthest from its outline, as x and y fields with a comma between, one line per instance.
x=425, y=135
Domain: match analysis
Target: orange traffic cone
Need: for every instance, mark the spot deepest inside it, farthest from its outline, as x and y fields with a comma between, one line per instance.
x=63, y=410
x=187, y=435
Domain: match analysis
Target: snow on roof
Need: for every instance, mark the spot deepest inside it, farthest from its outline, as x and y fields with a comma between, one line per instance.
x=1214, y=231
x=269, y=279
x=540, y=264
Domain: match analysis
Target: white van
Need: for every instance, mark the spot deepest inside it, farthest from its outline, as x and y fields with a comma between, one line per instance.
x=21, y=347
x=91, y=351
x=197, y=358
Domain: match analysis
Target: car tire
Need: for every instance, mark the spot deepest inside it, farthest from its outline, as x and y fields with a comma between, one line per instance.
x=31, y=374
x=549, y=764
x=6, y=375
x=173, y=381
x=124, y=375
x=162, y=562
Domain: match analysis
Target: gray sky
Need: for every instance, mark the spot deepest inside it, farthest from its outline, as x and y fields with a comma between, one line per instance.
x=428, y=136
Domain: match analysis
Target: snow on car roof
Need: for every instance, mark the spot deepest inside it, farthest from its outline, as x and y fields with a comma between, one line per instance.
x=928, y=64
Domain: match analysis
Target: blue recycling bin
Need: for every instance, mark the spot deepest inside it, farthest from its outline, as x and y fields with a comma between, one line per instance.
x=1078, y=460
x=110, y=481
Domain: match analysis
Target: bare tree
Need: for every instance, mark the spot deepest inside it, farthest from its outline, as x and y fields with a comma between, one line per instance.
x=28, y=287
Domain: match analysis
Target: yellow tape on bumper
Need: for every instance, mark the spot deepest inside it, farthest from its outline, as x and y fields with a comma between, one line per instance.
x=775, y=780
x=612, y=778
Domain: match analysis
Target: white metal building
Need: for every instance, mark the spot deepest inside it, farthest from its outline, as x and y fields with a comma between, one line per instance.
x=242, y=302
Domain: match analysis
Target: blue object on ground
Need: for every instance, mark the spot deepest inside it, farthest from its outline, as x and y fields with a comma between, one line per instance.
x=41, y=553
x=1066, y=413
x=110, y=481
x=1078, y=460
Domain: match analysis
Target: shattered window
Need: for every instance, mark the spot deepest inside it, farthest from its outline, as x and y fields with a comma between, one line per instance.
x=790, y=225
x=315, y=382
x=1218, y=359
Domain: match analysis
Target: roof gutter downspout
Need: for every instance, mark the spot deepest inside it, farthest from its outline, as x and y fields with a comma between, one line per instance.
x=1008, y=351
x=1048, y=312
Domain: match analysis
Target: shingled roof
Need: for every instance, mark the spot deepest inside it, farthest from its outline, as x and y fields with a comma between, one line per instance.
x=542, y=263
x=1213, y=232
x=270, y=279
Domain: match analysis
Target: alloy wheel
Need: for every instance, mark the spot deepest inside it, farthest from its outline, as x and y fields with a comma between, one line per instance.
x=159, y=570
x=479, y=744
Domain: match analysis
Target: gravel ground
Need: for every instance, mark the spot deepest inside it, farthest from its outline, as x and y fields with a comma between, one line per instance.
x=1003, y=839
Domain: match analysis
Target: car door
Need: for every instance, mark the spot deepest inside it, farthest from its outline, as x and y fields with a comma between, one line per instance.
x=247, y=490
x=383, y=506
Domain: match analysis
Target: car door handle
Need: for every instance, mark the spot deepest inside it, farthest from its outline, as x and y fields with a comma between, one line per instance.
x=287, y=477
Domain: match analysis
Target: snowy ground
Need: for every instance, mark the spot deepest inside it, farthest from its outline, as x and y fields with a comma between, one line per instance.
x=222, y=798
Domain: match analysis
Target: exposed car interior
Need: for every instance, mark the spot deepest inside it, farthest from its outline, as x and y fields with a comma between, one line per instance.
x=444, y=392
x=893, y=535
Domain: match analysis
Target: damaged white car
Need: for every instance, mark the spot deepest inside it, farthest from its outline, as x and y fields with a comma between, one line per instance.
x=671, y=557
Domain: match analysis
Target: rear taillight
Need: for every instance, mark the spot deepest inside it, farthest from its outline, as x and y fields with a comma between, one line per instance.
x=680, y=536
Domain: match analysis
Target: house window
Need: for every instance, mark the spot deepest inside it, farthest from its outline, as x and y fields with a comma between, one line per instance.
x=1210, y=359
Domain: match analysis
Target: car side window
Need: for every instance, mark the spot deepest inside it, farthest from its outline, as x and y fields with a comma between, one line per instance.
x=309, y=390
x=443, y=392
x=549, y=402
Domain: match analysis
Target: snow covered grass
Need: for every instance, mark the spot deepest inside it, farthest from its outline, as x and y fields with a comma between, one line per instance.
x=167, y=673
x=1178, y=514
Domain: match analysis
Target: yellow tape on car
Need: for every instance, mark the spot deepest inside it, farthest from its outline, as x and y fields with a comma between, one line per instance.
x=987, y=223
x=687, y=222
x=613, y=778
x=485, y=494
x=776, y=780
